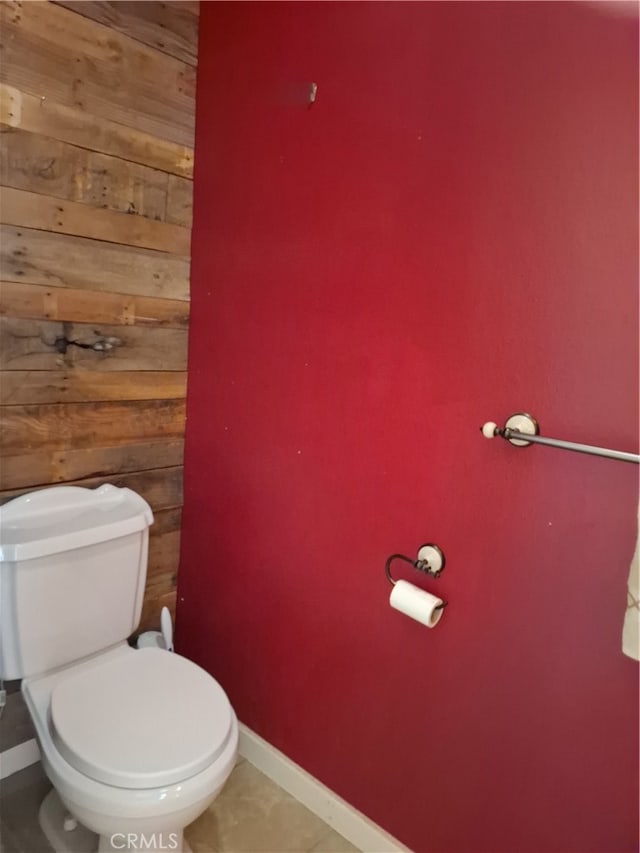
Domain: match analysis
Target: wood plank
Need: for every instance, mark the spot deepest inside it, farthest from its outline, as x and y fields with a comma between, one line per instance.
x=160, y=487
x=25, y=387
x=60, y=466
x=166, y=521
x=38, y=302
x=179, y=201
x=161, y=583
x=48, y=118
x=98, y=123
x=52, y=52
x=46, y=213
x=58, y=260
x=167, y=27
x=47, y=166
x=164, y=556
x=151, y=609
x=79, y=426
x=31, y=345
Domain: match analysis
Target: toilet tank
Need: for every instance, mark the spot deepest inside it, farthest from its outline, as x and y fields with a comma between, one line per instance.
x=73, y=565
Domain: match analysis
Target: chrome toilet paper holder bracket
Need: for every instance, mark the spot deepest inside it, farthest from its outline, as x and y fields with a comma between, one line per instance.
x=431, y=561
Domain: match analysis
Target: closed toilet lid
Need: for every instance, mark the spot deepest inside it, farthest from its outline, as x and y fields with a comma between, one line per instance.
x=142, y=720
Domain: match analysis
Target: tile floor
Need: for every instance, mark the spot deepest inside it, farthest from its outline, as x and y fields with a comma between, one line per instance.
x=251, y=815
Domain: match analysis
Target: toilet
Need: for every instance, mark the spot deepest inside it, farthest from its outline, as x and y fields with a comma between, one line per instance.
x=136, y=742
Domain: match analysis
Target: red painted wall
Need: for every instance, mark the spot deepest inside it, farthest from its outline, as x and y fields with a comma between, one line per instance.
x=448, y=235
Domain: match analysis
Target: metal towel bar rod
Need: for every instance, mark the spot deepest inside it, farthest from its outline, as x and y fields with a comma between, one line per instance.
x=522, y=429
x=572, y=445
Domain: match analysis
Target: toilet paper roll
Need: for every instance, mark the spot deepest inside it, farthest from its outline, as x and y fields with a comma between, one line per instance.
x=416, y=603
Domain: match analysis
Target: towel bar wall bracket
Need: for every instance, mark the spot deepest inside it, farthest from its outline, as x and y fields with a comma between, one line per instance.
x=522, y=430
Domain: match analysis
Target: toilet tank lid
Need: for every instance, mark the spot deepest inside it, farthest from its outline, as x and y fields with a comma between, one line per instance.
x=63, y=518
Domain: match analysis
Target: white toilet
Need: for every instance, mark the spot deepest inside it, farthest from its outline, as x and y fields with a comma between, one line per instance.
x=137, y=743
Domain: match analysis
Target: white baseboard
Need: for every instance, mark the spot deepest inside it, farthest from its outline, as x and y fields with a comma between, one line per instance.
x=18, y=757
x=332, y=809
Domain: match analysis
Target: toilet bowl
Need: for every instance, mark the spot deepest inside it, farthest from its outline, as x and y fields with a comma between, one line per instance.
x=136, y=744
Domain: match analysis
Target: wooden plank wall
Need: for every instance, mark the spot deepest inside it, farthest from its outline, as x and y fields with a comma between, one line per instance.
x=96, y=117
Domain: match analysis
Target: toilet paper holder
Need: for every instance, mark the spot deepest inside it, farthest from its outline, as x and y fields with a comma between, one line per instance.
x=430, y=560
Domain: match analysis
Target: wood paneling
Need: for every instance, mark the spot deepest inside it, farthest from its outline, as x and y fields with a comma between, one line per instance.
x=60, y=466
x=160, y=588
x=164, y=553
x=58, y=303
x=54, y=53
x=96, y=122
x=169, y=27
x=88, y=425
x=31, y=345
x=27, y=209
x=179, y=201
x=160, y=487
x=58, y=260
x=45, y=165
x=46, y=117
x=23, y=387
x=166, y=521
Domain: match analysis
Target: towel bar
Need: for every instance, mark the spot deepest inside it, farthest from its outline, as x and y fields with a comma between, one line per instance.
x=522, y=429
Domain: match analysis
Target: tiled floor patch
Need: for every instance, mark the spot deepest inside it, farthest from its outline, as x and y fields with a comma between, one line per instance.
x=251, y=815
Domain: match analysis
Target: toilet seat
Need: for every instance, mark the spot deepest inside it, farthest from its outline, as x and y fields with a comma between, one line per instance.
x=140, y=720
